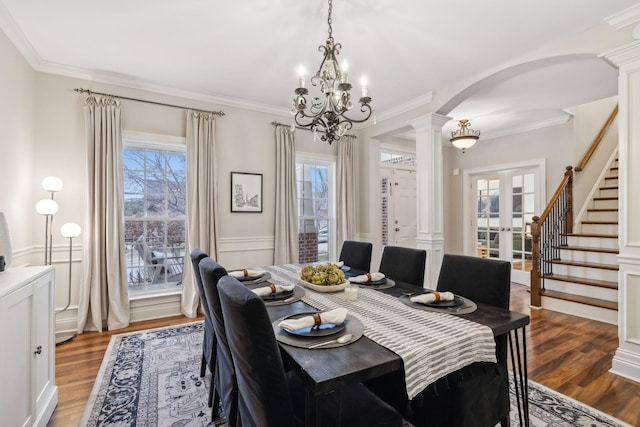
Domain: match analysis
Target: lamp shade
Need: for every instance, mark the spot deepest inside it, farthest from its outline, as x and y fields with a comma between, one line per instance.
x=464, y=143
x=52, y=184
x=70, y=230
x=47, y=207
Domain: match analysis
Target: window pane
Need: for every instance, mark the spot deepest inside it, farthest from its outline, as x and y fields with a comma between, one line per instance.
x=154, y=188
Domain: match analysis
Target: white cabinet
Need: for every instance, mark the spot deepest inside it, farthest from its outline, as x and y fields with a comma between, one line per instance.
x=28, y=393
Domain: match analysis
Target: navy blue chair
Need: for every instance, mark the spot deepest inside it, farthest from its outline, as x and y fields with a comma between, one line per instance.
x=224, y=379
x=269, y=397
x=404, y=264
x=356, y=255
x=209, y=344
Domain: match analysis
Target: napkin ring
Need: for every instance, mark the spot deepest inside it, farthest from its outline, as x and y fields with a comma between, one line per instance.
x=317, y=321
x=245, y=272
x=436, y=295
x=369, y=277
x=273, y=288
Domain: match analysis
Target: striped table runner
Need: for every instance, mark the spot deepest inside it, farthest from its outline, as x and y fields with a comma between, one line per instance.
x=431, y=345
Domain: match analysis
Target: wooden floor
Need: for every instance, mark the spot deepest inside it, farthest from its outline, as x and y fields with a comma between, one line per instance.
x=566, y=353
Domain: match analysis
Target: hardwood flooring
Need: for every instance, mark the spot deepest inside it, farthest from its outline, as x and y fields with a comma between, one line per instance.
x=566, y=353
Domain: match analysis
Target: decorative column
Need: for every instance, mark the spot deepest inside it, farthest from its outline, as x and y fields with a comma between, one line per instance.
x=430, y=187
x=626, y=361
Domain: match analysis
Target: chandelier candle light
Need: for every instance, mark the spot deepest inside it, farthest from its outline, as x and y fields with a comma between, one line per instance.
x=464, y=137
x=327, y=114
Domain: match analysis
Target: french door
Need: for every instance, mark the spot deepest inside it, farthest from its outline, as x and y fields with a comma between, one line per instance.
x=505, y=203
x=399, y=207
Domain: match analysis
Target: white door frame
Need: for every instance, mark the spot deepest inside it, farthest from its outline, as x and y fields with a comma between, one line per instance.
x=468, y=233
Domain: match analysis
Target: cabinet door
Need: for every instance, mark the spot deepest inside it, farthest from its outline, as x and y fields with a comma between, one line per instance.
x=44, y=344
x=16, y=397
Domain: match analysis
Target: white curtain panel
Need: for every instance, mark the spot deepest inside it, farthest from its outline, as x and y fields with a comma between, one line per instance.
x=103, y=296
x=201, y=200
x=286, y=238
x=345, y=182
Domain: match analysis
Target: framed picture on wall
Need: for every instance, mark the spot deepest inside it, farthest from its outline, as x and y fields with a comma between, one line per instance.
x=246, y=192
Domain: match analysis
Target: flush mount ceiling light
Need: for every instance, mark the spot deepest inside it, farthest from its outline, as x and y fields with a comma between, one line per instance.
x=327, y=112
x=464, y=137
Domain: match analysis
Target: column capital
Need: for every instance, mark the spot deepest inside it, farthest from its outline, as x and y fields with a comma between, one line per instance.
x=429, y=121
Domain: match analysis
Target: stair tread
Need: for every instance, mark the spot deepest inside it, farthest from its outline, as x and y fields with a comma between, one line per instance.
x=603, y=236
x=585, y=264
x=601, y=222
x=602, y=210
x=588, y=249
x=611, y=305
x=605, y=198
x=581, y=280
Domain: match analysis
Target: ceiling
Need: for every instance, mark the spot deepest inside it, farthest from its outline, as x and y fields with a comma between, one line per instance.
x=247, y=53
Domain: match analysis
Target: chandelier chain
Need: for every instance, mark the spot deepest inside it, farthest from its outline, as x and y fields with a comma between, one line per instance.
x=329, y=20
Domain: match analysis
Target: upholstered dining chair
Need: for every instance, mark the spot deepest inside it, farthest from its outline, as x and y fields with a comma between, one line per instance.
x=479, y=394
x=356, y=255
x=209, y=343
x=269, y=397
x=224, y=379
x=403, y=264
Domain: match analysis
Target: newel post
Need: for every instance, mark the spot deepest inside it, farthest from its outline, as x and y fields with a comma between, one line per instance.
x=536, y=299
x=569, y=214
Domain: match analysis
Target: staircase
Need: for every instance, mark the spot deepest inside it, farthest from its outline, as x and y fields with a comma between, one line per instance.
x=584, y=281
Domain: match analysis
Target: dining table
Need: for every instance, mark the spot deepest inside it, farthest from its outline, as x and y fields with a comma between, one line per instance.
x=377, y=352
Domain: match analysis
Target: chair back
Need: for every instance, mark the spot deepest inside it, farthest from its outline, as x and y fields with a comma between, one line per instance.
x=356, y=255
x=209, y=336
x=224, y=377
x=482, y=280
x=264, y=399
x=404, y=264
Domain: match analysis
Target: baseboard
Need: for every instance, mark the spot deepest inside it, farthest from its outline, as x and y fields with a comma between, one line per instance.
x=626, y=364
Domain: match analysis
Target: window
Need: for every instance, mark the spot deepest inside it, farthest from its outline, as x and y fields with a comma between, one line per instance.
x=155, y=200
x=315, y=209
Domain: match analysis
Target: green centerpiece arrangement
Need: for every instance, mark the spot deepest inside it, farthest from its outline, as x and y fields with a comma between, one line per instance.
x=323, y=275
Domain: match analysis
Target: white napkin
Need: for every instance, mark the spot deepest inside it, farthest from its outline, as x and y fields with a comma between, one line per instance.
x=249, y=274
x=338, y=263
x=336, y=316
x=433, y=297
x=370, y=277
x=273, y=289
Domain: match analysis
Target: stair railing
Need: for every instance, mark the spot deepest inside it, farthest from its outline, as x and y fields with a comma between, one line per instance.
x=548, y=232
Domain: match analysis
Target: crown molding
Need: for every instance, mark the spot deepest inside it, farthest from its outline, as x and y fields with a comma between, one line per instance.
x=554, y=121
x=17, y=37
x=76, y=72
x=626, y=17
x=406, y=107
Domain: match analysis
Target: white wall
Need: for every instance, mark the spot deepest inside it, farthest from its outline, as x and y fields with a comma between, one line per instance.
x=17, y=146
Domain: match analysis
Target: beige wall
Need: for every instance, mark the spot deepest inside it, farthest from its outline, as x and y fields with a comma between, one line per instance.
x=17, y=146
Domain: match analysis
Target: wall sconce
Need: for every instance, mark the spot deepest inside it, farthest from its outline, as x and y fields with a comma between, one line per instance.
x=69, y=230
x=464, y=137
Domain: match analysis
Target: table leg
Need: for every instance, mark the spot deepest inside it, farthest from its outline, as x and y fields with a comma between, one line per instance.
x=520, y=375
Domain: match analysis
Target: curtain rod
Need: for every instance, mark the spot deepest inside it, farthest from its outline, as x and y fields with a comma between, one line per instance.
x=90, y=92
x=301, y=128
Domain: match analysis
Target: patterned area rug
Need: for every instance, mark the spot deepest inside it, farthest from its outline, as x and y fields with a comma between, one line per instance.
x=150, y=378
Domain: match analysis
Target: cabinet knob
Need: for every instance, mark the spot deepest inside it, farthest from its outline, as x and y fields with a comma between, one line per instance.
x=38, y=350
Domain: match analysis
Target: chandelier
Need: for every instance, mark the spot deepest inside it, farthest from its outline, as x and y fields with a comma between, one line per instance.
x=464, y=137
x=327, y=113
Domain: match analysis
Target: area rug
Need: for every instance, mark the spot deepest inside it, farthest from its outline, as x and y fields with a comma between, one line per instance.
x=150, y=378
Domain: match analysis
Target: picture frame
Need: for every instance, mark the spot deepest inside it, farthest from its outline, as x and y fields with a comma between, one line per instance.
x=246, y=192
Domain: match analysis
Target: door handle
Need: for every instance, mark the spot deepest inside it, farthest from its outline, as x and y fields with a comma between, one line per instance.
x=397, y=229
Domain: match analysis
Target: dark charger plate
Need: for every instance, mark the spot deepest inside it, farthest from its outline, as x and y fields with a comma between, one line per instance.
x=272, y=297
x=323, y=330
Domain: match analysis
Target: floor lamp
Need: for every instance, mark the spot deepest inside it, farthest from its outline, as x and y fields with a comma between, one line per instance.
x=52, y=184
x=48, y=208
x=69, y=230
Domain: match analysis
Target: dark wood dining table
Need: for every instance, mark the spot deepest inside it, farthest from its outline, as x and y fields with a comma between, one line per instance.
x=328, y=370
